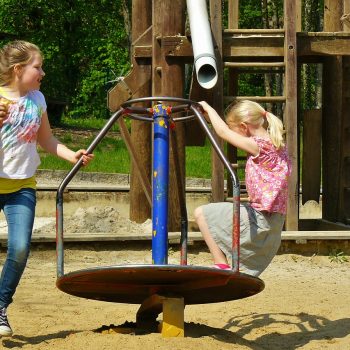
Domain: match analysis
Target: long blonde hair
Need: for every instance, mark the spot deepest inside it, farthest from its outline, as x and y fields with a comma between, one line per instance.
x=252, y=113
x=15, y=52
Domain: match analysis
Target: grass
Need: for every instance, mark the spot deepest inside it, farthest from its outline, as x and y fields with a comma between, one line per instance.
x=338, y=256
x=111, y=155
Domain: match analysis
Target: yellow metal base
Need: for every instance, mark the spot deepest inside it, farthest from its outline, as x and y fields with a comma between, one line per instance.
x=173, y=315
x=173, y=318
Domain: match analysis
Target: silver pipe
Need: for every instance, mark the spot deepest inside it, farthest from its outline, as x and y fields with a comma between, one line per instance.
x=202, y=43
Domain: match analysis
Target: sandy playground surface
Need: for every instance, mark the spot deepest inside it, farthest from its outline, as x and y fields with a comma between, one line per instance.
x=305, y=305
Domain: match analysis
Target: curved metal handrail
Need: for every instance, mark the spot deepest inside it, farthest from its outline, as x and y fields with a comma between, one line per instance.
x=187, y=105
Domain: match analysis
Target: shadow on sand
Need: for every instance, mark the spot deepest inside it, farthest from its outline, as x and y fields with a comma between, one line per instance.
x=309, y=328
x=303, y=329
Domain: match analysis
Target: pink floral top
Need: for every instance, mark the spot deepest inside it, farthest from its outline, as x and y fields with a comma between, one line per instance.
x=267, y=177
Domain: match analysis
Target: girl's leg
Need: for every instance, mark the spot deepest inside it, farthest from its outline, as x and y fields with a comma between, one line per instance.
x=218, y=256
x=19, y=210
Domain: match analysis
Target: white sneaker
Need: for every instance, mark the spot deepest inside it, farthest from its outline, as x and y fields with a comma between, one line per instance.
x=5, y=328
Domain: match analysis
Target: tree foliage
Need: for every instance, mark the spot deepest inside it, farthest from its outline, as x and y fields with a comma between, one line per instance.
x=86, y=45
x=83, y=42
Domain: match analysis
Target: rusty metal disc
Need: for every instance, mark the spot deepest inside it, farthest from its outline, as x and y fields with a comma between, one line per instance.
x=132, y=284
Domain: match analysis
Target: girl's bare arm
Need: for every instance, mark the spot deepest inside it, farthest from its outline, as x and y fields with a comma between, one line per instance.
x=222, y=130
x=51, y=145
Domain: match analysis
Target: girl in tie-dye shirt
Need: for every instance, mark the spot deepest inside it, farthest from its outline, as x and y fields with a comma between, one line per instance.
x=260, y=133
x=23, y=124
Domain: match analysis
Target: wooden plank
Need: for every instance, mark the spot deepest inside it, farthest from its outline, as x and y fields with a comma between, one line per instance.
x=322, y=225
x=312, y=146
x=174, y=237
x=233, y=14
x=253, y=64
x=133, y=85
x=308, y=44
x=194, y=134
x=344, y=197
x=254, y=46
x=218, y=93
x=169, y=20
x=260, y=99
x=331, y=127
x=233, y=74
x=253, y=31
x=290, y=112
x=140, y=138
x=141, y=173
x=298, y=19
x=323, y=45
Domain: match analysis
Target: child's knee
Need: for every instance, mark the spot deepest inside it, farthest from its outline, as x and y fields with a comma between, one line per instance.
x=19, y=254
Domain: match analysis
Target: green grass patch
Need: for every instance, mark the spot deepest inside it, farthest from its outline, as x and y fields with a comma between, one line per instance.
x=112, y=156
x=89, y=123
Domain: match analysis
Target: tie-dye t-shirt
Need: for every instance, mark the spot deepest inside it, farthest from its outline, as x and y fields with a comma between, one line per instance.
x=267, y=177
x=19, y=158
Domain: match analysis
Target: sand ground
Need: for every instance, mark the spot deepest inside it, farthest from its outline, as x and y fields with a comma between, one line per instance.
x=305, y=305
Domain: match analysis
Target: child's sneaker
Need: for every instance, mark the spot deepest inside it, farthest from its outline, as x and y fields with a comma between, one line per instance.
x=222, y=266
x=5, y=328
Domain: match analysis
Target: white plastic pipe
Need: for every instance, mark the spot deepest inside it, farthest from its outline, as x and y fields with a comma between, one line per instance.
x=202, y=43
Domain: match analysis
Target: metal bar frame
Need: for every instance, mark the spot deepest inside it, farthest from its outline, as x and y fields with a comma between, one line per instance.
x=126, y=110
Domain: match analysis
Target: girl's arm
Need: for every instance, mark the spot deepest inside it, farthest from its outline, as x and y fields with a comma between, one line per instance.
x=245, y=143
x=51, y=145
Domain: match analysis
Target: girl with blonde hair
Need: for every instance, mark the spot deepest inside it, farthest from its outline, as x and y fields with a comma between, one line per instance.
x=23, y=124
x=260, y=133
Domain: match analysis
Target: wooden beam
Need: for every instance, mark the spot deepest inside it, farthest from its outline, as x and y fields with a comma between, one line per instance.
x=168, y=80
x=217, y=181
x=133, y=85
x=331, y=127
x=232, y=87
x=290, y=112
x=140, y=138
x=344, y=171
x=141, y=173
x=259, y=99
x=244, y=47
x=312, y=145
x=233, y=14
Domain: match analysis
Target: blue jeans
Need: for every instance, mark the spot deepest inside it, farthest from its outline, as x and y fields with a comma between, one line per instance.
x=19, y=210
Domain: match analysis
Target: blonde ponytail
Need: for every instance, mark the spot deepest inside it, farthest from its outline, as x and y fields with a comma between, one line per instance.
x=252, y=113
x=275, y=129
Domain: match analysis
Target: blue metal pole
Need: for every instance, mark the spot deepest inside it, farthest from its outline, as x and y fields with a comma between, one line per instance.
x=160, y=185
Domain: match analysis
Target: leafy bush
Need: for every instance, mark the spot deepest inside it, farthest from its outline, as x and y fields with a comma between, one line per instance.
x=82, y=42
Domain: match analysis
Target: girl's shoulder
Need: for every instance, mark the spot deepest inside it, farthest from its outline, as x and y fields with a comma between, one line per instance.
x=267, y=147
x=263, y=142
x=38, y=98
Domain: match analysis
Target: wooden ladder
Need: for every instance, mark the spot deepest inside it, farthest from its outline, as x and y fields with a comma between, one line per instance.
x=289, y=98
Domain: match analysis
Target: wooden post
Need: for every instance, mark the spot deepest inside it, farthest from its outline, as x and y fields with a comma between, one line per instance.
x=233, y=17
x=233, y=14
x=140, y=209
x=298, y=19
x=331, y=117
x=290, y=120
x=312, y=142
x=217, y=182
x=344, y=171
x=168, y=80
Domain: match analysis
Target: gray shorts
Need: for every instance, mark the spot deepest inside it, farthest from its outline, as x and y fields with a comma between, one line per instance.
x=260, y=234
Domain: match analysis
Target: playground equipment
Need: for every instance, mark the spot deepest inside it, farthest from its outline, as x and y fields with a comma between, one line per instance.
x=159, y=287
x=202, y=43
x=162, y=47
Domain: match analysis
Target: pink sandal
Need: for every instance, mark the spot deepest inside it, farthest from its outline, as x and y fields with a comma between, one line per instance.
x=222, y=266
